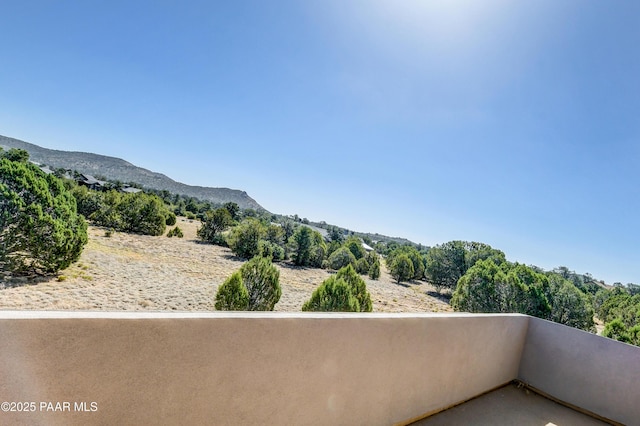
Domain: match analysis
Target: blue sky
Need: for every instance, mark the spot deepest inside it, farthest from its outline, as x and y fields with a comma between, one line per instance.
x=514, y=123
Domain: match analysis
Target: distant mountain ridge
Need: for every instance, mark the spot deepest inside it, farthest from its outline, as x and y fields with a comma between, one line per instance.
x=118, y=169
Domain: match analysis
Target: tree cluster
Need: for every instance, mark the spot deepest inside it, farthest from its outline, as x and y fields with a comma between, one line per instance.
x=447, y=263
x=491, y=287
x=137, y=213
x=619, y=309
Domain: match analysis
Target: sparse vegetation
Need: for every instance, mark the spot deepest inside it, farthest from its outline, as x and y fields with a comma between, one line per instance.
x=175, y=232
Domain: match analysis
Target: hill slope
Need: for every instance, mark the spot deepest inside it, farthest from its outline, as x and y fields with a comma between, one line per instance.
x=118, y=169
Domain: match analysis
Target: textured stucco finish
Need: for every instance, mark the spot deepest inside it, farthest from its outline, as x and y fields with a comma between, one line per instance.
x=252, y=369
x=597, y=374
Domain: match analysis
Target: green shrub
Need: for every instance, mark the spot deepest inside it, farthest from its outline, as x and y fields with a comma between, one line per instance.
x=362, y=266
x=358, y=287
x=175, y=232
x=309, y=247
x=343, y=292
x=341, y=258
x=232, y=295
x=402, y=268
x=374, y=270
x=254, y=287
x=40, y=229
x=137, y=213
x=245, y=238
x=355, y=246
x=262, y=281
x=333, y=295
x=170, y=218
x=214, y=224
x=271, y=250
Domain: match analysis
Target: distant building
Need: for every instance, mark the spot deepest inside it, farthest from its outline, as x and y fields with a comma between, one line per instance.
x=130, y=190
x=91, y=182
x=367, y=247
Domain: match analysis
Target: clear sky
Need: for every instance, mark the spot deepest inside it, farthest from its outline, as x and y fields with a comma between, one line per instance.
x=514, y=123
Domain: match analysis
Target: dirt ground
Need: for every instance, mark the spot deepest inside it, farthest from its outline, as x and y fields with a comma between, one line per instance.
x=128, y=272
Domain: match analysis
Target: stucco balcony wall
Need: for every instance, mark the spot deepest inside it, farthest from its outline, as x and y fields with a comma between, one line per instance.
x=251, y=368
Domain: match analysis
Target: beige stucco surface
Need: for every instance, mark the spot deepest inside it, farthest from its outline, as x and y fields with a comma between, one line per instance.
x=303, y=369
x=582, y=369
x=251, y=369
x=510, y=406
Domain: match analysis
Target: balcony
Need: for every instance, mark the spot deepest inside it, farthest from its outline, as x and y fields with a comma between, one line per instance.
x=333, y=369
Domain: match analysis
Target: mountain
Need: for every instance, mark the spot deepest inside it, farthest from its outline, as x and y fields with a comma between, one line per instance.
x=117, y=169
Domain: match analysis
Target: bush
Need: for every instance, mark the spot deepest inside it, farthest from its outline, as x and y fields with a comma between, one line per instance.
x=358, y=287
x=214, y=223
x=355, y=246
x=343, y=292
x=261, y=279
x=175, y=232
x=245, y=238
x=402, y=268
x=170, y=218
x=309, y=246
x=271, y=250
x=341, y=258
x=137, y=213
x=362, y=266
x=333, y=295
x=232, y=295
x=254, y=287
x=374, y=270
x=40, y=229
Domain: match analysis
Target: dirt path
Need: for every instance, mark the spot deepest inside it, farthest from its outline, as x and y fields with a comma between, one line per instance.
x=134, y=272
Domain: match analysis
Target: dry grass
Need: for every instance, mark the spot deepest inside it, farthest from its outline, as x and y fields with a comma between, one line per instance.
x=134, y=272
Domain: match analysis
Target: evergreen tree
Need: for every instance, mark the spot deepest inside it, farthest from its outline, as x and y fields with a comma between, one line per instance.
x=40, y=229
x=232, y=295
x=214, y=224
x=254, y=287
x=245, y=238
x=341, y=258
x=358, y=287
x=261, y=279
x=333, y=295
x=402, y=268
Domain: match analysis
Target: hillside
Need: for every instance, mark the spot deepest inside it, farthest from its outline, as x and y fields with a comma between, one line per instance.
x=117, y=169
x=138, y=272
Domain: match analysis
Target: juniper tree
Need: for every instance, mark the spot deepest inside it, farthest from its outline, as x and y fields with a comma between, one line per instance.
x=40, y=229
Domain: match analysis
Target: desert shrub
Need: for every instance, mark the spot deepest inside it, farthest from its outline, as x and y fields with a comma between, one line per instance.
x=175, y=232
x=374, y=270
x=333, y=295
x=362, y=266
x=170, y=218
x=40, y=228
x=232, y=295
x=214, y=224
x=355, y=246
x=271, y=250
x=245, y=238
x=341, y=258
x=358, y=287
x=137, y=213
x=309, y=247
x=402, y=268
x=262, y=281
x=88, y=201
